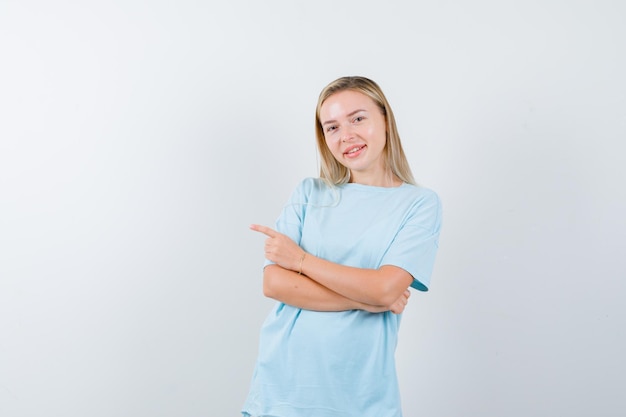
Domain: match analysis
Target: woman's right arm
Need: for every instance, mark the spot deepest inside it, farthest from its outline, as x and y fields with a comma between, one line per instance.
x=297, y=290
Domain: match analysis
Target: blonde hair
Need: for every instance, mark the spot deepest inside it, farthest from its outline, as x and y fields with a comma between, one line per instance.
x=332, y=171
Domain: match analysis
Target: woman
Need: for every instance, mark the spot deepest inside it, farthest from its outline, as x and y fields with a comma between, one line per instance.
x=346, y=249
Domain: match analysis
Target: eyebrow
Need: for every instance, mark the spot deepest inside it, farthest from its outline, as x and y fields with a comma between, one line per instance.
x=348, y=115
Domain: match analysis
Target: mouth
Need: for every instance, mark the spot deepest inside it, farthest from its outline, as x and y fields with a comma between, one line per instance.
x=354, y=151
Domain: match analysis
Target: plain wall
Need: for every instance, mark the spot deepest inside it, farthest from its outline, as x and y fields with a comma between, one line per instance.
x=139, y=139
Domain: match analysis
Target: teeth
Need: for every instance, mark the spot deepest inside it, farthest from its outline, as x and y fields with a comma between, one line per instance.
x=354, y=150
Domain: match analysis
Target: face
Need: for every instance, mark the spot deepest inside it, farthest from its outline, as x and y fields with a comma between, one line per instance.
x=355, y=133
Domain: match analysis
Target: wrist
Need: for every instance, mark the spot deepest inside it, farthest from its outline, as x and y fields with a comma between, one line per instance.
x=301, y=262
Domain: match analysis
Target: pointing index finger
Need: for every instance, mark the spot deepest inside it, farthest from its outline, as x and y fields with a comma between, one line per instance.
x=268, y=231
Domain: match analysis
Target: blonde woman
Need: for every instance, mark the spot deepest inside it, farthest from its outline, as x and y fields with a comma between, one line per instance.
x=340, y=261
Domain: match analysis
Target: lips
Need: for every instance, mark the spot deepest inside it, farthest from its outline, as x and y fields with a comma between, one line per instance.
x=354, y=151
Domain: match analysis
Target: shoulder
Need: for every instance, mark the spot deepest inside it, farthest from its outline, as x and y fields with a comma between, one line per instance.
x=310, y=190
x=426, y=207
x=308, y=182
x=311, y=185
x=421, y=194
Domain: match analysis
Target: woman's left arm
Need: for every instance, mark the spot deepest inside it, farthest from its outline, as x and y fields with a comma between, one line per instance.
x=380, y=286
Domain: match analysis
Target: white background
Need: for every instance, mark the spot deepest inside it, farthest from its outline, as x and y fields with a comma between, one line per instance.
x=139, y=139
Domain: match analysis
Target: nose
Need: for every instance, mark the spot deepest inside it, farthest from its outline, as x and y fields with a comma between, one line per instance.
x=347, y=133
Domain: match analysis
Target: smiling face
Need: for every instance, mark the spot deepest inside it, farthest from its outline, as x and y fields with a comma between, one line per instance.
x=355, y=133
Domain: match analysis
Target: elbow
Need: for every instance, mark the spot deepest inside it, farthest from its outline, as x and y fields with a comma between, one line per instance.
x=268, y=291
x=392, y=284
x=270, y=282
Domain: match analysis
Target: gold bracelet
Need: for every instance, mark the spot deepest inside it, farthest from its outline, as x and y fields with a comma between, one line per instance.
x=301, y=260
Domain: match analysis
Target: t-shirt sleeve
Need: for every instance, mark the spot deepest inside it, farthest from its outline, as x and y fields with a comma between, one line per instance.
x=415, y=245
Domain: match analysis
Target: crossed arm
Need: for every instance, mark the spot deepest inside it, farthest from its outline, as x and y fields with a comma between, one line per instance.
x=326, y=286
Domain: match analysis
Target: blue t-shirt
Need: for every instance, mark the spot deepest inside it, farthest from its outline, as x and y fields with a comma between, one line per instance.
x=341, y=364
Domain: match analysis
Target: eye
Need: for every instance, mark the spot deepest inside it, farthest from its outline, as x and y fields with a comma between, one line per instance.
x=359, y=119
x=331, y=128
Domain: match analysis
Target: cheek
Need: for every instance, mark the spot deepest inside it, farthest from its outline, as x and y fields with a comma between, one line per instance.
x=381, y=136
x=334, y=149
x=331, y=145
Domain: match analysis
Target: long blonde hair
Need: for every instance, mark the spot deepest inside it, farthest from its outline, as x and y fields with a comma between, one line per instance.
x=332, y=171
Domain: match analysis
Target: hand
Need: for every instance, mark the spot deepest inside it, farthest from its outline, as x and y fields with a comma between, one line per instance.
x=398, y=306
x=280, y=249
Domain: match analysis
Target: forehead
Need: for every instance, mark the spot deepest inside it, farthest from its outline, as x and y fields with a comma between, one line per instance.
x=345, y=102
